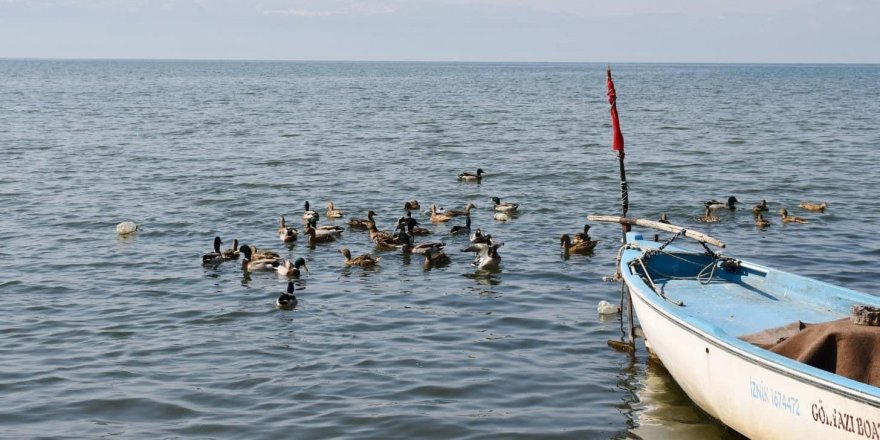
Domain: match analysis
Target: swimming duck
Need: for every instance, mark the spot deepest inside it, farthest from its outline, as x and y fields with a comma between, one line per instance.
x=287, y=300
x=790, y=219
x=262, y=254
x=480, y=237
x=257, y=265
x=362, y=223
x=465, y=211
x=422, y=248
x=376, y=234
x=434, y=258
x=365, y=260
x=316, y=236
x=583, y=247
x=213, y=258
x=761, y=207
x=326, y=229
x=504, y=207
x=286, y=234
x=231, y=253
x=291, y=269
x=663, y=219
x=487, y=255
x=440, y=216
x=471, y=177
x=412, y=226
x=707, y=217
x=501, y=217
x=412, y=205
x=459, y=229
x=760, y=221
x=582, y=236
x=815, y=207
x=126, y=228
x=308, y=214
x=715, y=204
x=333, y=212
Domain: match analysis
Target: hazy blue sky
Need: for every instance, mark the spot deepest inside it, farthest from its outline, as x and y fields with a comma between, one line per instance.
x=463, y=30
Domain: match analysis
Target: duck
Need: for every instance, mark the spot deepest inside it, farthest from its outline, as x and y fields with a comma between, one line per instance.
x=707, y=217
x=412, y=205
x=361, y=223
x=814, y=207
x=286, y=234
x=435, y=258
x=292, y=269
x=377, y=235
x=715, y=204
x=309, y=214
x=412, y=226
x=319, y=236
x=459, y=229
x=501, y=217
x=422, y=248
x=326, y=229
x=487, y=255
x=761, y=207
x=582, y=247
x=465, y=211
x=332, y=212
x=397, y=240
x=213, y=258
x=760, y=221
x=231, y=253
x=365, y=260
x=126, y=228
x=262, y=254
x=249, y=264
x=582, y=236
x=287, y=300
x=504, y=207
x=663, y=219
x=471, y=177
x=790, y=219
x=480, y=237
x=440, y=216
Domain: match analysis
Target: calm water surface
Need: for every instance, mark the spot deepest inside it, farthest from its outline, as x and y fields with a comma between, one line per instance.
x=132, y=337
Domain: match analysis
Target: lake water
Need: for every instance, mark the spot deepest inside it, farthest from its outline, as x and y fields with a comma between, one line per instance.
x=132, y=337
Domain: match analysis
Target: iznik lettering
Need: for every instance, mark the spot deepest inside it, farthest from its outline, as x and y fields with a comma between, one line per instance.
x=775, y=398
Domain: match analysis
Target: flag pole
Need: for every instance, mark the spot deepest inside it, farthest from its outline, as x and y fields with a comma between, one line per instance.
x=617, y=145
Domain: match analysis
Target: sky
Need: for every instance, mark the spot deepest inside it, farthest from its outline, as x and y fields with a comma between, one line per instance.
x=604, y=31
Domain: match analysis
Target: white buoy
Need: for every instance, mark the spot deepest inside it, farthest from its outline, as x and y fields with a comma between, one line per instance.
x=126, y=228
x=501, y=217
x=606, y=308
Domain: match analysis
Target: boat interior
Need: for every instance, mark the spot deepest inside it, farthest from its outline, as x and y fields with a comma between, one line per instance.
x=796, y=317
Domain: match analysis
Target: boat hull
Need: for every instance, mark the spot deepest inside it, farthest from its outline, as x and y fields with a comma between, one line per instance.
x=758, y=393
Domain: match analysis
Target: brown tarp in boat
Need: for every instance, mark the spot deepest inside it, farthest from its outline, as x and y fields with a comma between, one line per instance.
x=840, y=347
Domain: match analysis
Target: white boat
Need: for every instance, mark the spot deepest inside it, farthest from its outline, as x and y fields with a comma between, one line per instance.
x=706, y=317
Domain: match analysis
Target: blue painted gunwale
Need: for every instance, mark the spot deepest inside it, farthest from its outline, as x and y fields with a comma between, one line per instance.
x=710, y=320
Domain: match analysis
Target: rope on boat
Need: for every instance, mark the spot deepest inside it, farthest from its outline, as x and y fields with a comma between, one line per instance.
x=705, y=276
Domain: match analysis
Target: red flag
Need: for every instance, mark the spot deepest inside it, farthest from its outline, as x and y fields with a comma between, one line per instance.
x=617, y=145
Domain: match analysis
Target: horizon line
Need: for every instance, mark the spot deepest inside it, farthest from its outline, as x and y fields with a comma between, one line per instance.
x=280, y=60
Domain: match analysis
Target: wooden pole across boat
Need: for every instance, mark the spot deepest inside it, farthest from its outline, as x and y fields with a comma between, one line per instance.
x=699, y=236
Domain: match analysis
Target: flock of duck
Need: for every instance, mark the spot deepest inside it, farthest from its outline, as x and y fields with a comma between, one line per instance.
x=758, y=211
x=402, y=238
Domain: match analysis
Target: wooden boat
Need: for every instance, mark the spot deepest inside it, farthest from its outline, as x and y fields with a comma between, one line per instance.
x=716, y=324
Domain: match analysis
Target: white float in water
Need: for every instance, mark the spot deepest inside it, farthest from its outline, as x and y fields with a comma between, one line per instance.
x=126, y=228
x=606, y=308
